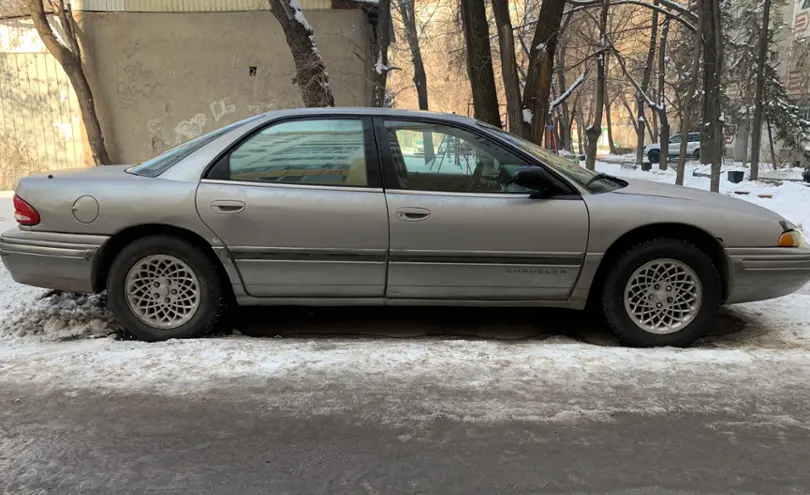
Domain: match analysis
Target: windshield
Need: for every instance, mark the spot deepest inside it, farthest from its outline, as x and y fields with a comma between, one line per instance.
x=159, y=164
x=592, y=181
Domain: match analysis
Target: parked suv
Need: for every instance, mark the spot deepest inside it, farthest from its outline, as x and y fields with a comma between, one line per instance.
x=653, y=151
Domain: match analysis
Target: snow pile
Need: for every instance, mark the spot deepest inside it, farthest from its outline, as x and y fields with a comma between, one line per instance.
x=58, y=316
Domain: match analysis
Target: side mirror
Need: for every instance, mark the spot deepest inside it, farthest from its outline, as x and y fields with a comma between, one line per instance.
x=536, y=179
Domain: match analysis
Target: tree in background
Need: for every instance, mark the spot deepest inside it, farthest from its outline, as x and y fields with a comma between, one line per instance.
x=765, y=39
x=66, y=49
x=311, y=75
x=711, y=139
x=541, y=69
x=381, y=67
x=408, y=16
x=479, y=62
x=509, y=66
x=688, y=72
x=792, y=130
x=595, y=130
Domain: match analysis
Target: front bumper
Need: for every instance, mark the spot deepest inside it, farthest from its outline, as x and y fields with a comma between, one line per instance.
x=51, y=260
x=757, y=274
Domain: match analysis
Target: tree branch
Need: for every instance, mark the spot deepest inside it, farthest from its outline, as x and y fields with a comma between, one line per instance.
x=37, y=10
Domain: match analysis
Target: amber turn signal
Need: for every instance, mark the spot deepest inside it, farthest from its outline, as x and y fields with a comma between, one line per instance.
x=791, y=238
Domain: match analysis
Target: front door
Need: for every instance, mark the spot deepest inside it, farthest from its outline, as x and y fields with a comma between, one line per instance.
x=460, y=230
x=300, y=206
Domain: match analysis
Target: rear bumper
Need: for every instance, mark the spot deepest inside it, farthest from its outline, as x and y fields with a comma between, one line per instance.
x=757, y=274
x=51, y=260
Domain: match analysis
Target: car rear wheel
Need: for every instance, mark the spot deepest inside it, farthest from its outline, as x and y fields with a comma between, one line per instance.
x=662, y=292
x=654, y=156
x=164, y=288
x=696, y=154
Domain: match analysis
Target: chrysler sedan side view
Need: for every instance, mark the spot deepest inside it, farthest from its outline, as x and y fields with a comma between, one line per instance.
x=344, y=206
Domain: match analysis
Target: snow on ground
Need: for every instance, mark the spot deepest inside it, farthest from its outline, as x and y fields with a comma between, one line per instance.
x=66, y=342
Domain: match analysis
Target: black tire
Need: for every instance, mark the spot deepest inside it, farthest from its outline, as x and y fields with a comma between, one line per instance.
x=654, y=156
x=613, y=292
x=696, y=154
x=212, y=298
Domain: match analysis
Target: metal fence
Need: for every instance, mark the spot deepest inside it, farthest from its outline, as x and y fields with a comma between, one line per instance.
x=40, y=126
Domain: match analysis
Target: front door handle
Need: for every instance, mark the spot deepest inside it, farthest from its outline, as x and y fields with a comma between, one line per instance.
x=412, y=214
x=223, y=206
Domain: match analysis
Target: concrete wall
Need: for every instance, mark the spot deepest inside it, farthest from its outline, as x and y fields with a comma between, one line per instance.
x=163, y=78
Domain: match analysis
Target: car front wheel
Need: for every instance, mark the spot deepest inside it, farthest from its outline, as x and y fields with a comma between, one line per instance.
x=654, y=156
x=662, y=292
x=164, y=288
x=696, y=154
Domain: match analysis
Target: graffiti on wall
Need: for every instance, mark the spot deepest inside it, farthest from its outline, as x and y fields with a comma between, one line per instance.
x=165, y=135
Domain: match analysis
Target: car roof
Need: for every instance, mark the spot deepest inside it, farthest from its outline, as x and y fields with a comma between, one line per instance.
x=370, y=112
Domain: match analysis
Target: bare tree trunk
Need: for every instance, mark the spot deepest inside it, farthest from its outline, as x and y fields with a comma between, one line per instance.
x=630, y=112
x=608, y=119
x=662, y=105
x=569, y=128
x=759, y=93
x=509, y=70
x=381, y=68
x=541, y=68
x=595, y=130
x=311, y=76
x=406, y=10
x=687, y=100
x=69, y=56
x=709, y=143
x=746, y=137
x=770, y=139
x=479, y=62
x=564, y=110
x=645, y=84
x=650, y=131
x=580, y=128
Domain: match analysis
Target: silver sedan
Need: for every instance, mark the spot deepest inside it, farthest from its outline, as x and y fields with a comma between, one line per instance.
x=388, y=207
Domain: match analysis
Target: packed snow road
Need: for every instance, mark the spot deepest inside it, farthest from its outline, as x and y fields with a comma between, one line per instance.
x=384, y=401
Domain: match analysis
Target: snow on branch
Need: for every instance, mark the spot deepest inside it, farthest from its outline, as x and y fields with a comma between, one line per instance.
x=682, y=14
x=657, y=106
x=567, y=93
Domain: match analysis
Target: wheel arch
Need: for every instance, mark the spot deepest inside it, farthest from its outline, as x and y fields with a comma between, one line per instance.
x=106, y=255
x=701, y=239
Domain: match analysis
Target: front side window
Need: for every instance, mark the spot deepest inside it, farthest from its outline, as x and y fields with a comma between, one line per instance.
x=328, y=152
x=435, y=157
x=675, y=139
x=590, y=180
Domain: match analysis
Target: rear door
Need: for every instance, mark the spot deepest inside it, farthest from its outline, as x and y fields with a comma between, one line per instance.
x=459, y=230
x=300, y=206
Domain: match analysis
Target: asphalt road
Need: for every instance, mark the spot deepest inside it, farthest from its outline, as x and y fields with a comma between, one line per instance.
x=90, y=443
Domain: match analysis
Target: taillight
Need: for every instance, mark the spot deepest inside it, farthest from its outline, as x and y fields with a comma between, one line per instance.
x=24, y=213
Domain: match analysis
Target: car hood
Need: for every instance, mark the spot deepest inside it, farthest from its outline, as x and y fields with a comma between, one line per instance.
x=639, y=187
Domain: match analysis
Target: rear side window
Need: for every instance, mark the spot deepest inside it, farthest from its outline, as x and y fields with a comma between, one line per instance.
x=163, y=162
x=326, y=152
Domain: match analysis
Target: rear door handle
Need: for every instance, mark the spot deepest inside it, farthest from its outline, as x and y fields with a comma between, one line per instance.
x=412, y=214
x=224, y=206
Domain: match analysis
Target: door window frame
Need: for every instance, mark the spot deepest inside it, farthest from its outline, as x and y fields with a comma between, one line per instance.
x=389, y=175
x=217, y=169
